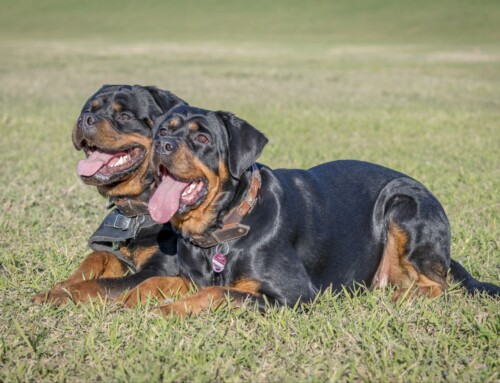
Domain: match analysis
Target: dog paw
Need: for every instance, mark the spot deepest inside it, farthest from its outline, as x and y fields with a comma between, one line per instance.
x=164, y=310
x=56, y=297
x=137, y=296
x=176, y=309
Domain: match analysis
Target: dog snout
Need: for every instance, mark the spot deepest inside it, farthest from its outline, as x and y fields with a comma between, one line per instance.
x=165, y=145
x=87, y=120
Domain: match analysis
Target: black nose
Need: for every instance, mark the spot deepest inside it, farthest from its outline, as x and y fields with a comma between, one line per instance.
x=87, y=120
x=165, y=145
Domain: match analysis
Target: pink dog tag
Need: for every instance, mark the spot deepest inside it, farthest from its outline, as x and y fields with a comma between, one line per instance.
x=218, y=262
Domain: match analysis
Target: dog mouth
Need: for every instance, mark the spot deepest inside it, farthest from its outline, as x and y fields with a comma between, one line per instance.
x=174, y=195
x=103, y=166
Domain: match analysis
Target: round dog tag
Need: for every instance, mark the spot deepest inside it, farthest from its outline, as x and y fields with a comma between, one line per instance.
x=218, y=262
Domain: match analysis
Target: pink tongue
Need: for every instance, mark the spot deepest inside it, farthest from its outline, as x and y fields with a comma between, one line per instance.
x=165, y=201
x=93, y=163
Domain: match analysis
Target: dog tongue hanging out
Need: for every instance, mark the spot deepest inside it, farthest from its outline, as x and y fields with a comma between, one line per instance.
x=114, y=130
x=166, y=200
x=190, y=191
x=281, y=236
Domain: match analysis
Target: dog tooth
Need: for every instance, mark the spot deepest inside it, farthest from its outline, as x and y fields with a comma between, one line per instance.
x=188, y=191
x=120, y=161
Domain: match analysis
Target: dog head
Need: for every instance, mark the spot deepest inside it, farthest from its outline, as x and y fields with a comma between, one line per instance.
x=114, y=130
x=198, y=159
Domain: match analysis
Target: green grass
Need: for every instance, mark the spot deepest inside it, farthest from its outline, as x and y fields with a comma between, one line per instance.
x=410, y=85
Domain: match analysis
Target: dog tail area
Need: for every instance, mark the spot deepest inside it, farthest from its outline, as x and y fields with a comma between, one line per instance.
x=471, y=284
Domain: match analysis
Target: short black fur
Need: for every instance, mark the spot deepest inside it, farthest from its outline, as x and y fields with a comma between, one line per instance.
x=313, y=229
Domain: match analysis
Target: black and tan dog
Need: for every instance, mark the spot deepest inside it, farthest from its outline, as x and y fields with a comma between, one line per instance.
x=282, y=236
x=114, y=130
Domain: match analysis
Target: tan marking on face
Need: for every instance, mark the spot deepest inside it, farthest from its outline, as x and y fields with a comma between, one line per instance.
x=193, y=126
x=116, y=107
x=223, y=172
x=189, y=167
x=95, y=104
x=134, y=184
x=174, y=122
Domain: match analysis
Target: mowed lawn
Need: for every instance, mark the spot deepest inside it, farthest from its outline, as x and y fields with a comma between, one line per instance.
x=412, y=86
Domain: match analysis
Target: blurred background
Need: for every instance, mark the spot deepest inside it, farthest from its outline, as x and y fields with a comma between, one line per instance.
x=255, y=47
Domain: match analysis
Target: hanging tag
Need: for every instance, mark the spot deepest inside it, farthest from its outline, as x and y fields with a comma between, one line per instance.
x=218, y=262
x=219, y=259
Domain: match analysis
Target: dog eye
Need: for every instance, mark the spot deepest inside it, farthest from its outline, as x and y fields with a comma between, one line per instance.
x=201, y=138
x=124, y=116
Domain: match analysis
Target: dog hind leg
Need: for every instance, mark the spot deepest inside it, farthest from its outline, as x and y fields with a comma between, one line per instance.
x=416, y=254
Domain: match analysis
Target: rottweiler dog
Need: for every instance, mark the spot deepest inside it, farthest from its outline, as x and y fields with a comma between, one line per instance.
x=114, y=130
x=278, y=237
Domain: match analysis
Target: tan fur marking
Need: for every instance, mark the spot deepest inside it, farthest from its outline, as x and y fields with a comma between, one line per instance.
x=95, y=104
x=111, y=139
x=116, y=107
x=193, y=126
x=423, y=287
x=156, y=287
x=149, y=122
x=126, y=252
x=174, y=122
x=396, y=270
x=390, y=270
x=99, y=264
x=143, y=254
x=76, y=292
x=189, y=167
x=223, y=172
x=247, y=285
x=81, y=284
x=431, y=288
x=140, y=254
x=212, y=296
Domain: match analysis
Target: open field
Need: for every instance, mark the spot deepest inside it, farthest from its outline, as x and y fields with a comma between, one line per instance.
x=412, y=86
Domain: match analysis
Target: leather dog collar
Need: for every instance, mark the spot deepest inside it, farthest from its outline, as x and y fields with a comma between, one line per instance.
x=232, y=228
x=132, y=207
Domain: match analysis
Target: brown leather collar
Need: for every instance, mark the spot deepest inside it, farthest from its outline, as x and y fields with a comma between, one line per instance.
x=132, y=207
x=232, y=228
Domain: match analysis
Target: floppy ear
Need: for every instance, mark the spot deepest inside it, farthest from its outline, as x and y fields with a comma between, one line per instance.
x=245, y=143
x=165, y=99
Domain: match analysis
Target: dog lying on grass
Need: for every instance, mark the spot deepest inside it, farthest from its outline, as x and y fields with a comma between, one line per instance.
x=281, y=236
x=114, y=130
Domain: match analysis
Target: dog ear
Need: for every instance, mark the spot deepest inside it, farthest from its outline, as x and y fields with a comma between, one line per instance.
x=245, y=143
x=164, y=99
